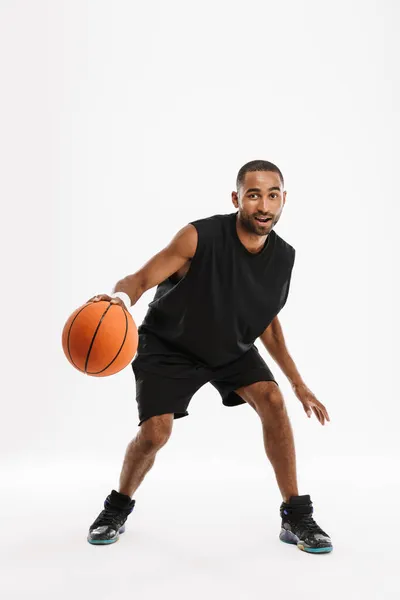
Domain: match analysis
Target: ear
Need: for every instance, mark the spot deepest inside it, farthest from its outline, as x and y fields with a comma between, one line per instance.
x=284, y=198
x=235, y=200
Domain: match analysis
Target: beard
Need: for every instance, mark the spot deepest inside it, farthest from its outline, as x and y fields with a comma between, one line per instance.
x=252, y=226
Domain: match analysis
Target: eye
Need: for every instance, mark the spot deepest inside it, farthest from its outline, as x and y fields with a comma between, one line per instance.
x=250, y=195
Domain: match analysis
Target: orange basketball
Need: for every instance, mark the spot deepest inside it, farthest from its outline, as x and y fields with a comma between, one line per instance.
x=100, y=338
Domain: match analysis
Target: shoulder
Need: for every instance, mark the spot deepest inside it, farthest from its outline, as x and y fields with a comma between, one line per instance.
x=213, y=224
x=184, y=242
x=285, y=247
x=213, y=220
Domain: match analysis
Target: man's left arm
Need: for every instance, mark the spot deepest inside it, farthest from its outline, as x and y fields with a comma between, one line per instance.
x=274, y=342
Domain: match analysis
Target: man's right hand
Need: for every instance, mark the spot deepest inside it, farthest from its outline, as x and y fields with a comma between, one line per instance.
x=107, y=298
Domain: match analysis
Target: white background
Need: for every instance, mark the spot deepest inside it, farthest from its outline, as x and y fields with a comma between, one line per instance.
x=121, y=122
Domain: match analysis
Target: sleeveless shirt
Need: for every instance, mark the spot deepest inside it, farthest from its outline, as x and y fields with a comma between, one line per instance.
x=214, y=313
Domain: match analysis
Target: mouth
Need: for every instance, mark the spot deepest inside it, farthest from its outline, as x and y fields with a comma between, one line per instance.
x=263, y=220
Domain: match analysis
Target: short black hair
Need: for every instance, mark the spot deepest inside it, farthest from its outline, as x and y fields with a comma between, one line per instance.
x=257, y=165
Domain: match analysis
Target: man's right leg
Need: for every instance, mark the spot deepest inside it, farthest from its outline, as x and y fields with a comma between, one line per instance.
x=164, y=397
x=139, y=458
x=141, y=452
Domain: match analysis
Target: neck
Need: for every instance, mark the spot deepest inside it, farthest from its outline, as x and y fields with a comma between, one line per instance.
x=251, y=241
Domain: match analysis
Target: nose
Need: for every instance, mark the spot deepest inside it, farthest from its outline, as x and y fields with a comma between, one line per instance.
x=263, y=205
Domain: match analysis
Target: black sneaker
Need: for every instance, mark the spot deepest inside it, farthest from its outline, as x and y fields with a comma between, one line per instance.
x=110, y=522
x=298, y=526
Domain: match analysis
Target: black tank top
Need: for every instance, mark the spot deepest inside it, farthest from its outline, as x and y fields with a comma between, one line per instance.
x=227, y=298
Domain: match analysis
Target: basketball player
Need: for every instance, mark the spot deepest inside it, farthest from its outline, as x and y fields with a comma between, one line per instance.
x=222, y=281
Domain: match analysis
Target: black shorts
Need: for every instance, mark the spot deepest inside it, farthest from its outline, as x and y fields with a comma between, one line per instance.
x=160, y=391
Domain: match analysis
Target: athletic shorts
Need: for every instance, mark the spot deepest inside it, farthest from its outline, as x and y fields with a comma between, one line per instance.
x=159, y=390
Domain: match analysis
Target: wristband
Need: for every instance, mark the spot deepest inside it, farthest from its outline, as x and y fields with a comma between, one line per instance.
x=124, y=297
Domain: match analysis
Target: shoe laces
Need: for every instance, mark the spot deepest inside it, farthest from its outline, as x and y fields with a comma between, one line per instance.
x=307, y=526
x=111, y=516
x=309, y=522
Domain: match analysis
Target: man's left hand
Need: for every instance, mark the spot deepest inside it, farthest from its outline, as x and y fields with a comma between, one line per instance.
x=309, y=402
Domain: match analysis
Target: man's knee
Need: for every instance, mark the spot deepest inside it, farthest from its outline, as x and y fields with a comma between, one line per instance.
x=270, y=397
x=264, y=395
x=155, y=432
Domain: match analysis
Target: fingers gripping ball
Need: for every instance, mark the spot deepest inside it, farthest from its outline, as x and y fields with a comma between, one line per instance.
x=100, y=338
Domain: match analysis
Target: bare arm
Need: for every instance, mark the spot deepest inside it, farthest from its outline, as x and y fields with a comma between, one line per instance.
x=274, y=341
x=163, y=264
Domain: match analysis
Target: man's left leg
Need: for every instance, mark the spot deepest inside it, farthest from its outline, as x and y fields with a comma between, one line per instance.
x=298, y=526
x=267, y=400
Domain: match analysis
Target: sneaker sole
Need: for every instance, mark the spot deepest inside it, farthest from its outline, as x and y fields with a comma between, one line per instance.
x=289, y=538
x=110, y=541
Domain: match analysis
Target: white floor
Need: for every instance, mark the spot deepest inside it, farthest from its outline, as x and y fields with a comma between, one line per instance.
x=198, y=531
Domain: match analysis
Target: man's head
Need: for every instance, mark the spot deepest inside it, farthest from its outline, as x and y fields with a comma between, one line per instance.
x=259, y=195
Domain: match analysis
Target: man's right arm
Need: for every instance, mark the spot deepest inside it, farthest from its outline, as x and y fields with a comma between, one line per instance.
x=163, y=264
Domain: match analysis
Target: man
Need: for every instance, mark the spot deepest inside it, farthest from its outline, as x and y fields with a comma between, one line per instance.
x=221, y=284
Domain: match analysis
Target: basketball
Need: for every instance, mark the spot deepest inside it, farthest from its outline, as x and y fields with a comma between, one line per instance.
x=100, y=338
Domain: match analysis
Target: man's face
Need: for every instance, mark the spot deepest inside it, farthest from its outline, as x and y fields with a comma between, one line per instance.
x=260, y=196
